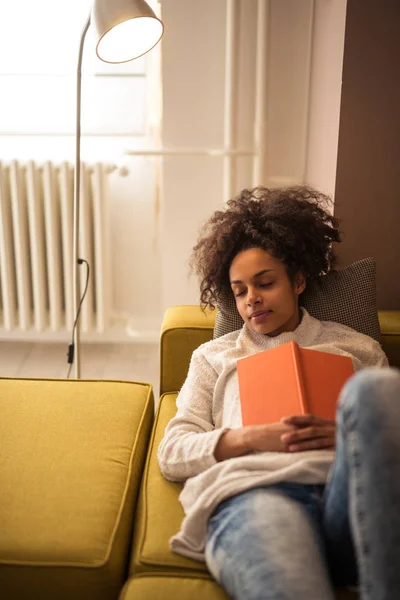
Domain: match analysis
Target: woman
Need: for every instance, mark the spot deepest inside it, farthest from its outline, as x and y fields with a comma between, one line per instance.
x=271, y=509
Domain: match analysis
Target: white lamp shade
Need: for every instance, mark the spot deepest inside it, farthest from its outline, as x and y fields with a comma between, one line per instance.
x=125, y=29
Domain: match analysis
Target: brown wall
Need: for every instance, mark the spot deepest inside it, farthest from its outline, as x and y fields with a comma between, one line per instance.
x=367, y=196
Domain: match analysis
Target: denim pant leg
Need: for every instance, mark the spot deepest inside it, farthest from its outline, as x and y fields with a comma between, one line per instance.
x=362, y=498
x=265, y=544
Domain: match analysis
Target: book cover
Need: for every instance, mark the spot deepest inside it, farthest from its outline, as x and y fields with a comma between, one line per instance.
x=289, y=380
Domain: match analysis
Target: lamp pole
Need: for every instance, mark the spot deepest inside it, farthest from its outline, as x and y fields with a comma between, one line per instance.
x=76, y=217
x=139, y=30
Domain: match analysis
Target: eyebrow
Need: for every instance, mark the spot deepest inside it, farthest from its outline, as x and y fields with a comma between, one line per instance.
x=254, y=276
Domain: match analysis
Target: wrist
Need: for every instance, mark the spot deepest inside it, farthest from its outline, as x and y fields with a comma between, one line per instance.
x=247, y=439
x=231, y=444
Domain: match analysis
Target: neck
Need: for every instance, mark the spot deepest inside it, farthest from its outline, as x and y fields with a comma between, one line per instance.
x=290, y=325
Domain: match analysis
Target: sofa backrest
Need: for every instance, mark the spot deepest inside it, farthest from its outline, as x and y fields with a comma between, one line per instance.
x=185, y=328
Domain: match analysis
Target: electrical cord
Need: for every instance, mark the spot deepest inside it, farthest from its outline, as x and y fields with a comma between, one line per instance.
x=71, y=347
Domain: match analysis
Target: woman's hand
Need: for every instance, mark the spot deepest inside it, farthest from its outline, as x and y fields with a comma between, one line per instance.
x=292, y=434
x=252, y=438
x=310, y=433
x=268, y=438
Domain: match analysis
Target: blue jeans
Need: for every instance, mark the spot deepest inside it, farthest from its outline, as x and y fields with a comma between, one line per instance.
x=297, y=542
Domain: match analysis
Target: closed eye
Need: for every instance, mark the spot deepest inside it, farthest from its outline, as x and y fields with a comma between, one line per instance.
x=261, y=285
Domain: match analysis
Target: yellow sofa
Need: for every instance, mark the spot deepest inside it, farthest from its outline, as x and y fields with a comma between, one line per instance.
x=71, y=461
x=73, y=456
x=155, y=572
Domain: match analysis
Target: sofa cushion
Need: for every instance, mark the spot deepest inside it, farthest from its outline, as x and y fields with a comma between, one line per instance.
x=72, y=454
x=347, y=296
x=159, y=513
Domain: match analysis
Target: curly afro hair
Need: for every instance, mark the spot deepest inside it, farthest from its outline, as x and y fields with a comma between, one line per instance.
x=292, y=224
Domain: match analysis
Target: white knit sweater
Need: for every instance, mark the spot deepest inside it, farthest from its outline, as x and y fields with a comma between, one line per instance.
x=209, y=403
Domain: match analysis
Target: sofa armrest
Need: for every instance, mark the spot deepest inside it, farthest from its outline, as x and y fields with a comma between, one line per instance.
x=184, y=328
x=389, y=321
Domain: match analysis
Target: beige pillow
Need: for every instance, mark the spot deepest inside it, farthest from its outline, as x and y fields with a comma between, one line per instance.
x=347, y=296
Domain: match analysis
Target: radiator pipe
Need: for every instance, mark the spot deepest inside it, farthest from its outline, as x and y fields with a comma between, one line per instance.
x=260, y=118
x=306, y=120
x=230, y=99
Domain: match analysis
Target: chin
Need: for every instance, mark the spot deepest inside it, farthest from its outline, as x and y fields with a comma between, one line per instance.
x=271, y=329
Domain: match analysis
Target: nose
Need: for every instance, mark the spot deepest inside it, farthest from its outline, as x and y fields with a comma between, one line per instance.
x=253, y=296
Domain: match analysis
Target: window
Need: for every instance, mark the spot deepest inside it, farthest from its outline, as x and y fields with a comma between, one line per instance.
x=39, y=44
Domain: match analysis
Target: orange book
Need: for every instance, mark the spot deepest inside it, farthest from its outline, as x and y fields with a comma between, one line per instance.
x=289, y=380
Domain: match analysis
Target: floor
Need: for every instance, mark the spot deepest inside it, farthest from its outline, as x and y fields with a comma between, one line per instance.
x=131, y=362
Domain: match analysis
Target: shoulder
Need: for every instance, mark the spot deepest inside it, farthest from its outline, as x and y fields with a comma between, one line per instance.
x=367, y=350
x=213, y=354
x=339, y=331
x=218, y=345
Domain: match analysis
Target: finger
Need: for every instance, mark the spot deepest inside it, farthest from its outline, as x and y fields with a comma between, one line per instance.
x=306, y=420
x=307, y=433
x=316, y=444
x=298, y=420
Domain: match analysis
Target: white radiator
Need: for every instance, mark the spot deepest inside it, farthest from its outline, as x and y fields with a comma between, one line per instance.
x=36, y=217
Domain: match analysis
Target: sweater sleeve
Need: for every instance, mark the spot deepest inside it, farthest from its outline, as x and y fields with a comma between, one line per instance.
x=377, y=357
x=190, y=437
x=368, y=353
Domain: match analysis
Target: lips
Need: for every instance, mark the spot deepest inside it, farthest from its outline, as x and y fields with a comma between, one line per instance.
x=259, y=313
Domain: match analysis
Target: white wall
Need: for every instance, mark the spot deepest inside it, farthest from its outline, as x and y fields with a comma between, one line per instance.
x=193, y=114
x=289, y=55
x=38, y=99
x=326, y=81
x=155, y=214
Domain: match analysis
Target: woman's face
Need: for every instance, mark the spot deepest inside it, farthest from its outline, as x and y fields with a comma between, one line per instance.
x=267, y=300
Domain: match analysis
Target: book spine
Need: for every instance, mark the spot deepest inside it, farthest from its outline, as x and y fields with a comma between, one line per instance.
x=299, y=378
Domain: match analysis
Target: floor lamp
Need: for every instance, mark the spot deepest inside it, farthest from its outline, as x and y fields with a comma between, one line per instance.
x=125, y=30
